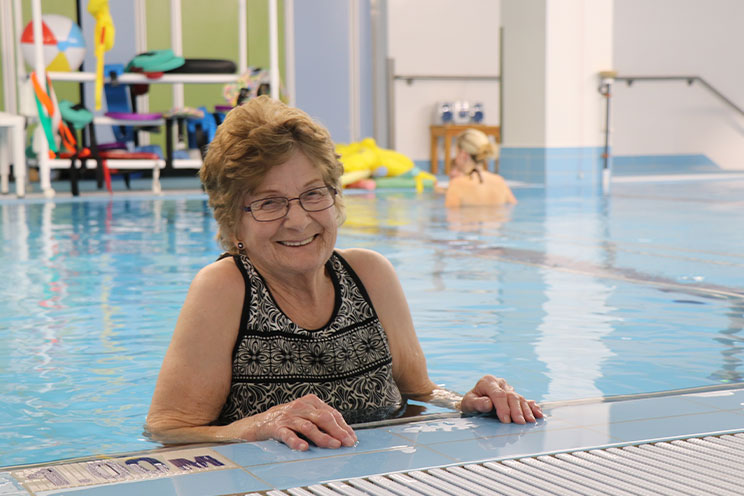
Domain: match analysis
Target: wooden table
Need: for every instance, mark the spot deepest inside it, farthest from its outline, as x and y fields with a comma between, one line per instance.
x=449, y=131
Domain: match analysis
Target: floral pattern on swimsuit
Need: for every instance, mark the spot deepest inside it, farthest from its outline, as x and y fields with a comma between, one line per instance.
x=347, y=363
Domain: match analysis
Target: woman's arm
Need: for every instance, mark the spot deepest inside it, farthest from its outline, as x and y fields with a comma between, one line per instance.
x=195, y=378
x=409, y=364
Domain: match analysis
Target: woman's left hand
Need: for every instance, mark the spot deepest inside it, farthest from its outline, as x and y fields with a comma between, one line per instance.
x=493, y=393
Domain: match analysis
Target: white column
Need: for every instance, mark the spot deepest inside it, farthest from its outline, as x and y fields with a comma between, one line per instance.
x=8, y=43
x=553, y=53
x=177, y=47
x=354, y=83
x=289, y=52
x=273, y=49
x=524, y=77
x=579, y=46
x=242, y=37
x=140, y=46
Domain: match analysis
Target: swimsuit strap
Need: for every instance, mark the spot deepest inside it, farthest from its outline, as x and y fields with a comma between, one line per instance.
x=480, y=176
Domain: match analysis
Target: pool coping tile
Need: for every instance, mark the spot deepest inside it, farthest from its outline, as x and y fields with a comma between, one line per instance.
x=349, y=465
x=427, y=443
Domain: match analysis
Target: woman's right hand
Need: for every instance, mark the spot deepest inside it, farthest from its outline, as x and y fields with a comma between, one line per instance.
x=308, y=417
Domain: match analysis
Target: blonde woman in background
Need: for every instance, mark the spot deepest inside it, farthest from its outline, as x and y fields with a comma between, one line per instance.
x=470, y=181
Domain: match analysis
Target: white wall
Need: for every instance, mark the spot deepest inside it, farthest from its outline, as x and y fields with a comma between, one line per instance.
x=441, y=37
x=659, y=37
x=679, y=37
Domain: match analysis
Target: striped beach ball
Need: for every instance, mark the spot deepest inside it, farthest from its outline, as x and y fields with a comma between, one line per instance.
x=63, y=46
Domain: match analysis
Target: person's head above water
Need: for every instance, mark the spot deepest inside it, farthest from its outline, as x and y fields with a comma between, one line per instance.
x=255, y=137
x=473, y=150
x=471, y=183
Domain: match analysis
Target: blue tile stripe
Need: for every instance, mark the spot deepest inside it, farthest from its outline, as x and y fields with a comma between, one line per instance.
x=553, y=166
x=663, y=164
x=662, y=160
x=583, y=165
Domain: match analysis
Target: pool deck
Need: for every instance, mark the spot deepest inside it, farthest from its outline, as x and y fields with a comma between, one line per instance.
x=446, y=440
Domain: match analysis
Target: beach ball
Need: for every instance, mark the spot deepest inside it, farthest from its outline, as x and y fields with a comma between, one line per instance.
x=63, y=45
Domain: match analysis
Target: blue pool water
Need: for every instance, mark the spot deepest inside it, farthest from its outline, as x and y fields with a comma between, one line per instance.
x=569, y=295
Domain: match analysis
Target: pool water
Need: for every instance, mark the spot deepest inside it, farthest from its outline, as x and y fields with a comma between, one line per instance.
x=569, y=295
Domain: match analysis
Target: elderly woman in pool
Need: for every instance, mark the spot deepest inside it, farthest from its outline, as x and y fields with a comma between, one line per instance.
x=471, y=184
x=286, y=337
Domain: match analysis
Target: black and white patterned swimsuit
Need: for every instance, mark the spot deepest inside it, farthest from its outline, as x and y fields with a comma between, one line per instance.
x=346, y=363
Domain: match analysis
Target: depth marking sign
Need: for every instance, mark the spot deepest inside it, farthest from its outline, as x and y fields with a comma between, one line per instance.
x=122, y=469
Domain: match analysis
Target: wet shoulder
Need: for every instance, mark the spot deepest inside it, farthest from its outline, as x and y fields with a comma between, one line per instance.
x=368, y=265
x=219, y=278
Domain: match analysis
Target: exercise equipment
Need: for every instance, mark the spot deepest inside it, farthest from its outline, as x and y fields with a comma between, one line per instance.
x=155, y=62
x=419, y=184
x=252, y=83
x=75, y=114
x=103, y=39
x=50, y=117
x=78, y=117
x=348, y=178
x=63, y=43
x=364, y=161
x=205, y=66
x=134, y=116
x=201, y=131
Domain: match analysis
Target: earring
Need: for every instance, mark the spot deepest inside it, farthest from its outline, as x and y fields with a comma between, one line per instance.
x=241, y=246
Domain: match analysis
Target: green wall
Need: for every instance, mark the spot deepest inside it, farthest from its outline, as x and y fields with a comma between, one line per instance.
x=210, y=30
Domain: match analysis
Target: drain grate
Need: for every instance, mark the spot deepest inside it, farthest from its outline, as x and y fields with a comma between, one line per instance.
x=693, y=466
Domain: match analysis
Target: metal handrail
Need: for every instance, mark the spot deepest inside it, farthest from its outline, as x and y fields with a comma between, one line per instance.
x=607, y=78
x=690, y=80
x=410, y=78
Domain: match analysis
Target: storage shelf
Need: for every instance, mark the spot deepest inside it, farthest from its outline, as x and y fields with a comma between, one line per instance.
x=186, y=163
x=113, y=163
x=105, y=120
x=176, y=79
x=137, y=78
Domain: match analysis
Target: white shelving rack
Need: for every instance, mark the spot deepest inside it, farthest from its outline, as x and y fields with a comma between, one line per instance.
x=176, y=80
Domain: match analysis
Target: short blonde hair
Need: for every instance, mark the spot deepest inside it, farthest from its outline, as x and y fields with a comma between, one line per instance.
x=254, y=137
x=476, y=144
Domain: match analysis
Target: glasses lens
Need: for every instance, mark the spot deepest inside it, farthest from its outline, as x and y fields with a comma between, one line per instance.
x=317, y=199
x=269, y=208
x=314, y=200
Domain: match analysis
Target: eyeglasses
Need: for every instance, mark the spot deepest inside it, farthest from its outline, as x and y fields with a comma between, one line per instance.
x=276, y=207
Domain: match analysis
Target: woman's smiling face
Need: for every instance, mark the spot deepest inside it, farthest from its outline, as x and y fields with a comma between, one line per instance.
x=299, y=243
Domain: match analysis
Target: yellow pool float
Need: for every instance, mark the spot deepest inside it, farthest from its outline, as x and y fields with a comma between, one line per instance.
x=363, y=160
